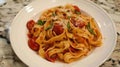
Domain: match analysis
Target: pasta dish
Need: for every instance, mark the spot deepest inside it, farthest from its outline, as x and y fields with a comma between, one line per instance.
x=63, y=33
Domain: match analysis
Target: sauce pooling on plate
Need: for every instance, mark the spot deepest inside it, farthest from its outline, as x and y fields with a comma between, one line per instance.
x=63, y=33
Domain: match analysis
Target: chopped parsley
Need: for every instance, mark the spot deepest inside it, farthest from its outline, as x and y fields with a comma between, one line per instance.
x=68, y=25
x=40, y=22
x=90, y=29
x=77, y=12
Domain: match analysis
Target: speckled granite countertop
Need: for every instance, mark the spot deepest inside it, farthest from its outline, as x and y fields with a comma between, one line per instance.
x=10, y=8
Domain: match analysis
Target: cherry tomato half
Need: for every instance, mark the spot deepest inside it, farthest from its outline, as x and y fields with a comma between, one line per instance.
x=77, y=23
x=30, y=24
x=34, y=46
x=58, y=29
x=76, y=8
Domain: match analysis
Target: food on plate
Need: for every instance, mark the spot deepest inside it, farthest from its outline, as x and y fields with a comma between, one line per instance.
x=63, y=33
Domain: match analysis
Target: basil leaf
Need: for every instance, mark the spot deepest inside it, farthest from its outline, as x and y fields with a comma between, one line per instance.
x=40, y=22
x=77, y=12
x=69, y=17
x=68, y=25
x=49, y=27
x=88, y=26
x=90, y=29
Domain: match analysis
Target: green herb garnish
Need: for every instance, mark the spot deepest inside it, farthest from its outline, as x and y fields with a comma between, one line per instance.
x=49, y=27
x=68, y=25
x=40, y=22
x=90, y=29
x=69, y=17
x=77, y=12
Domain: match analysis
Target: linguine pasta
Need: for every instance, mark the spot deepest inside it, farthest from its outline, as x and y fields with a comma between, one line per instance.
x=63, y=33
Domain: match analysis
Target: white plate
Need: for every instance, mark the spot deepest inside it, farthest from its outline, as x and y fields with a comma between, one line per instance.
x=18, y=34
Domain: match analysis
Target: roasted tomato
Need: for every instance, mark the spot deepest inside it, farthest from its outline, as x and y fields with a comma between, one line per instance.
x=76, y=8
x=34, y=46
x=29, y=35
x=30, y=24
x=77, y=23
x=58, y=29
x=80, y=24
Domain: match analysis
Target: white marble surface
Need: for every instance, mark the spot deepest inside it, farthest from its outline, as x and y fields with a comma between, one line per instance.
x=10, y=8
